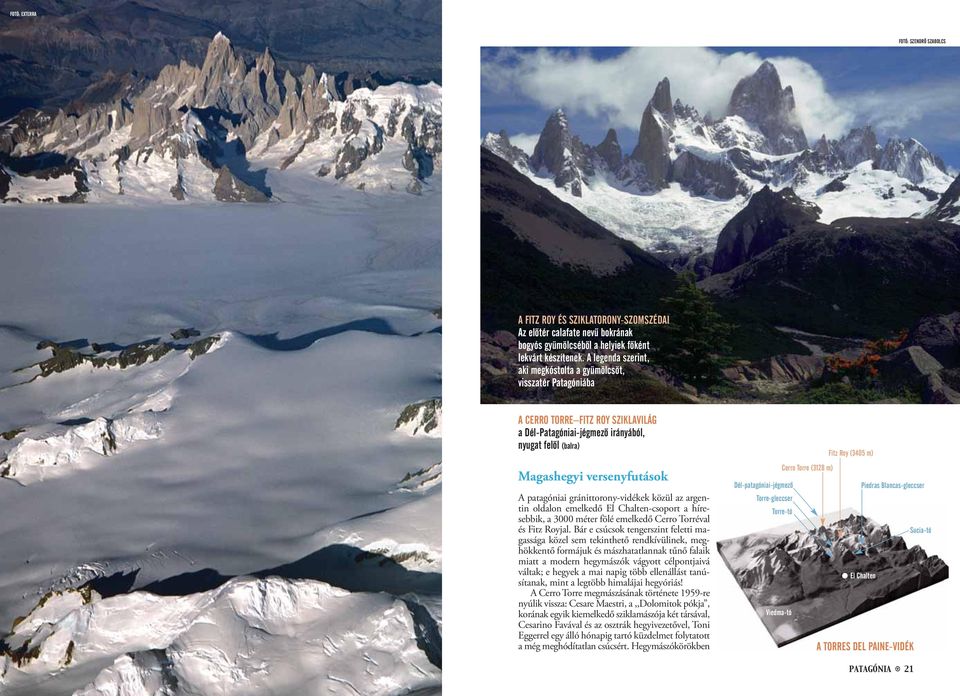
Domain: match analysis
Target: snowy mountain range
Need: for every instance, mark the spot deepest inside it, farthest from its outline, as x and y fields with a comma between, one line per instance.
x=237, y=445
x=229, y=412
x=688, y=174
x=223, y=131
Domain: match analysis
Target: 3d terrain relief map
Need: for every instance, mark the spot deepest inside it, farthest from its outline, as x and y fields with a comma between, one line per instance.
x=802, y=581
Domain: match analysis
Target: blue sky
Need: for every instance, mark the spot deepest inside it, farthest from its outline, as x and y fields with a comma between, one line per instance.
x=905, y=92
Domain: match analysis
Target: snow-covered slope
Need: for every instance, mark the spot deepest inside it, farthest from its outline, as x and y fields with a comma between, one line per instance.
x=278, y=444
x=248, y=636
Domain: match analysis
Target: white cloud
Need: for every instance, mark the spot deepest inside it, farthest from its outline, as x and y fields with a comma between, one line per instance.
x=618, y=89
x=525, y=141
x=934, y=103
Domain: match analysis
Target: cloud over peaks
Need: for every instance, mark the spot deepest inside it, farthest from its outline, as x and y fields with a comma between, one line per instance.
x=617, y=89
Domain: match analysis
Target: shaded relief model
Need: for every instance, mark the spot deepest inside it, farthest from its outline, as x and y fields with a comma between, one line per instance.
x=802, y=581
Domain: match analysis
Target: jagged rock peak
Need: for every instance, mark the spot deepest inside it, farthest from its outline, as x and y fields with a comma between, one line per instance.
x=554, y=142
x=823, y=145
x=761, y=100
x=859, y=145
x=759, y=94
x=687, y=111
x=610, y=152
x=610, y=137
x=561, y=153
x=866, y=135
x=910, y=159
x=661, y=98
x=652, y=150
x=309, y=77
x=221, y=59
x=266, y=63
x=219, y=45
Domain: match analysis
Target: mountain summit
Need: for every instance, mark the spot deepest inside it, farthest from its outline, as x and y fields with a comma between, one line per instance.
x=562, y=154
x=652, y=150
x=761, y=100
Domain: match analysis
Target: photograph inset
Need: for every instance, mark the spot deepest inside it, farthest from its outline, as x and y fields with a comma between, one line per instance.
x=220, y=348
x=720, y=225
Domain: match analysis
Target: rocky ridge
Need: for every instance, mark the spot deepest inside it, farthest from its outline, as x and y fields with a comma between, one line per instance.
x=209, y=131
x=759, y=141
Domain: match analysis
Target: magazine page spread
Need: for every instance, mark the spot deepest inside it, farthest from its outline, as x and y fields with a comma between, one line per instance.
x=711, y=283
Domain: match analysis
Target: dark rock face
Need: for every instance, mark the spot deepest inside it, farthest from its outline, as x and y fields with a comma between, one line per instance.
x=65, y=357
x=554, y=139
x=836, y=185
x=662, y=155
x=652, y=150
x=910, y=366
x=717, y=178
x=914, y=367
x=698, y=262
x=562, y=154
x=661, y=99
x=610, y=152
x=563, y=235
x=948, y=207
x=186, y=332
x=943, y=387
x=733, y=158
x=229, y=188
x=768, y=217
x=761, y=100
x=859, y=145
x=685, y=111
x=939, y=336
x=653, y=144
x=853, y=277
x=355, y=151
x=418, y=161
